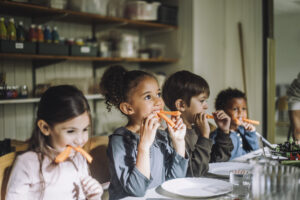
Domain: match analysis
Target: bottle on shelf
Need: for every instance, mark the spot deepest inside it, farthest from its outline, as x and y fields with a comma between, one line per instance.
x=20, y=32
x=47, y=35
x=55, y=36
x=40, y=34
x=11, y=30
x=3, y=30
x=32, y=33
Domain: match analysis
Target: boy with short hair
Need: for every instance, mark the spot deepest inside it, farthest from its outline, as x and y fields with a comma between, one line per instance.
x=242, y=134
x=188, y=93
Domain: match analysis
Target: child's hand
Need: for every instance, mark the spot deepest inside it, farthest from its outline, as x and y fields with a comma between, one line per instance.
x=202, y=125
x=148, y=130
x=248, y=127
x=91, y=188
x=177, y=134
x=222, y=120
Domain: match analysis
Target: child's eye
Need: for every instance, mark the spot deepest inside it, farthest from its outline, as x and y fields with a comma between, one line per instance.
x=70, y=131
x=159, y=94
x=86, y=130
x=148, y=97
x=203, y=101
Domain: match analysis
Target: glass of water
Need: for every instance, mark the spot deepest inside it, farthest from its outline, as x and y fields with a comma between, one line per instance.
x=241, y=183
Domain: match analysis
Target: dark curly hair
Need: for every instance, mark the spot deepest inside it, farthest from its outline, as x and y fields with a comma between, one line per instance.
x=117, y=82
x=183, y=85
x=226, y=95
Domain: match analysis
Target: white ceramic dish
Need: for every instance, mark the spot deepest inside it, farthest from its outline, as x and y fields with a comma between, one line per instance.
x=197, y=187
x=223, y=168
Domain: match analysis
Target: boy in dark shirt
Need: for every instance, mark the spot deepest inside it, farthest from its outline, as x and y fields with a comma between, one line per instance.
x=188, y=93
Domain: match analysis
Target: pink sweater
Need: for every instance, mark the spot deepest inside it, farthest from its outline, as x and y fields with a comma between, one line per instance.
x=62, y=181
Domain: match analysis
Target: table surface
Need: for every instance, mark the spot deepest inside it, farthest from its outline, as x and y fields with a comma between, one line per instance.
x=159, y=193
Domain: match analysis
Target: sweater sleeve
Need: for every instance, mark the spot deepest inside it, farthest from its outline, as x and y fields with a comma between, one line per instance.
x=221, y=150
x=122, y=167
x=19, y=181
x=251, y=140
x=199, y=157
x=176, y=165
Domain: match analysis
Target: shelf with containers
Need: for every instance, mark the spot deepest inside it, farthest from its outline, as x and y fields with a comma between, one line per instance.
x=40, y=15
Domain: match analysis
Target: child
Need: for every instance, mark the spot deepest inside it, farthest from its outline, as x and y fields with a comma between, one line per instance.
x=63, y=118
x=139, y=153
x=188, y=93
x=243, y=136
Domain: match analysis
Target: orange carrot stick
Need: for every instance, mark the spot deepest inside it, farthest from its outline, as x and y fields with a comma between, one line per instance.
x=250, y=121
x=63, y=155
x=87, y=156
x=169, y=121
x=237, y=121
x=209, y=116
x=173, y=113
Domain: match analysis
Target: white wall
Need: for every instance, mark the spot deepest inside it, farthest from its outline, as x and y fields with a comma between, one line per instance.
x=217, y=52
x=287, y=40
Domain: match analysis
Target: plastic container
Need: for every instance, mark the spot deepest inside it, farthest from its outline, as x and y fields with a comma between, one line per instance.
x=11, y=30
x=90, y=6
x=32, y=33
x=55, y=35
x=20, y=32
x=141, y=10
x=3, y=30
x=47, y=35
x=40, y=34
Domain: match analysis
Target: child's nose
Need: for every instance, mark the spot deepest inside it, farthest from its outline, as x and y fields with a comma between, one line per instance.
x=80, y=140
x=158, y=101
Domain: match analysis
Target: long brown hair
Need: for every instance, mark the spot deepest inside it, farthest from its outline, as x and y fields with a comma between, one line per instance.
x=58, y=104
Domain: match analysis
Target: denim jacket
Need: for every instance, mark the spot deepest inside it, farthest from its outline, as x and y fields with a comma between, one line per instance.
x=243, y=141
x=126, y=179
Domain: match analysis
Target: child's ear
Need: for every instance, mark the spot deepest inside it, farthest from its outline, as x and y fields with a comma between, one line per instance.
x=180, y=105
x=44, y=127
x=126, y=108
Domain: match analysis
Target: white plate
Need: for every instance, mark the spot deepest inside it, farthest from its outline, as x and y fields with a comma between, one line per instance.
x=223, y=168
x=197, y=187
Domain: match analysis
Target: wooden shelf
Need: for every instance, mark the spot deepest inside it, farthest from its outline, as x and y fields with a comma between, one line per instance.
x=84, y=58
x=35, y=100
x=40, y=12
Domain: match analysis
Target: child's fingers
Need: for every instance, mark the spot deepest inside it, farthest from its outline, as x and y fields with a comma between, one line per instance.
x=91, y=186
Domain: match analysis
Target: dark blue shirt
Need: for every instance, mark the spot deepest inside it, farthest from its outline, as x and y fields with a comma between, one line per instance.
x=126, y=179
x=243, y=141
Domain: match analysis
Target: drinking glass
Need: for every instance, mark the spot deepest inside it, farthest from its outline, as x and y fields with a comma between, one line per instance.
x=241, y=183
x=275, y=181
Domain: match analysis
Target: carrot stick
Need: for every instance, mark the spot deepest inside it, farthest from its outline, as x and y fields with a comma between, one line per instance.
x=169, y=121
x=250, y=121
x=63, y=155
x=173, y=113
x=87, y=156
x=209, y=116
x=237, y=121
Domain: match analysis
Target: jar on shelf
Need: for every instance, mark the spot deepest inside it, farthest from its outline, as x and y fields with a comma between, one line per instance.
x=23, y=91
x=11, y=92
